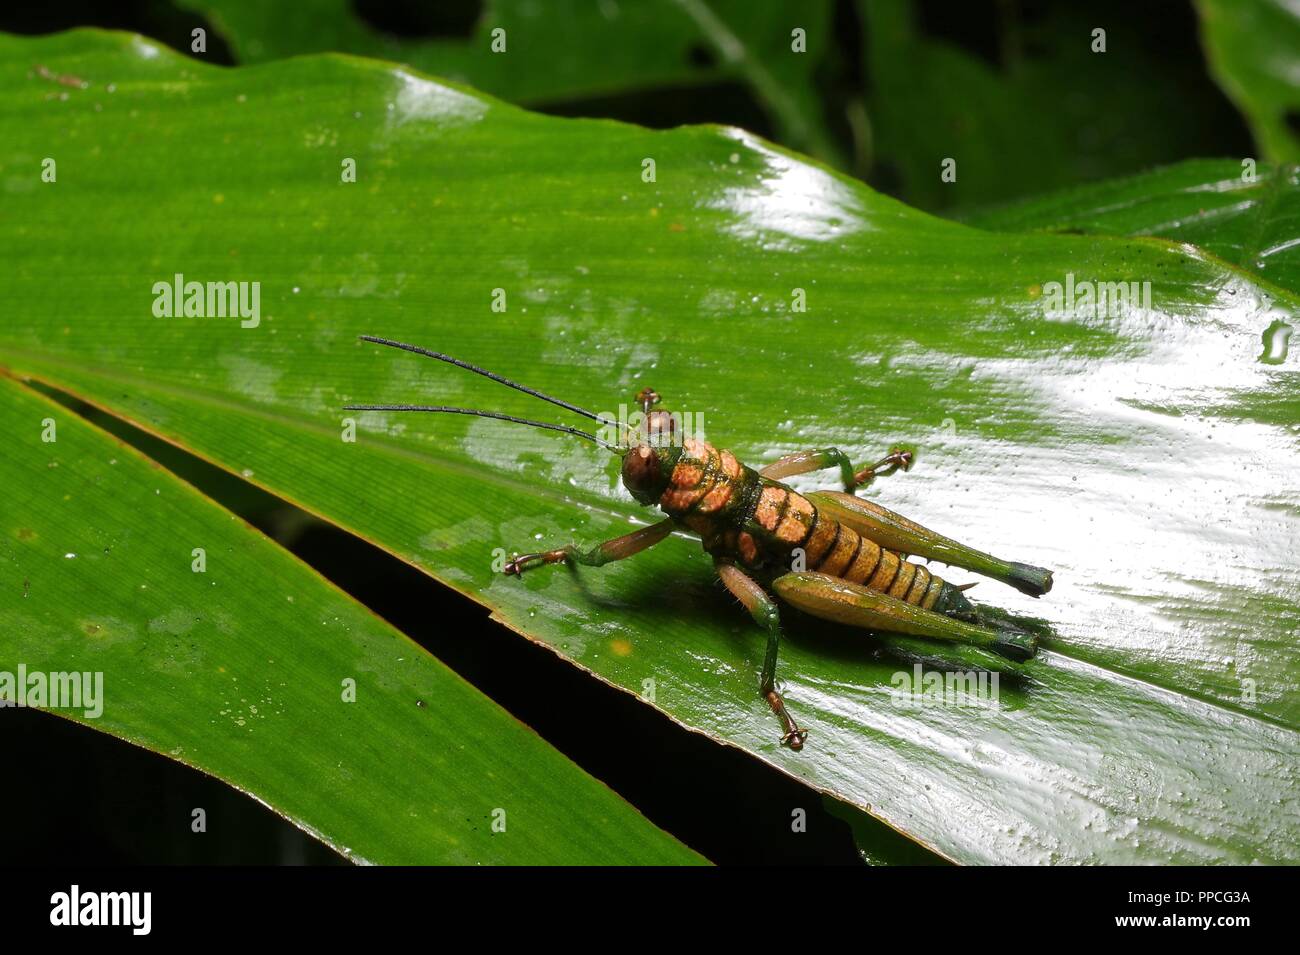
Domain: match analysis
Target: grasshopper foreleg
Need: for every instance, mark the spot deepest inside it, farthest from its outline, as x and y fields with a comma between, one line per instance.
x=802, y=462
x=765, y=613
x=611, y=550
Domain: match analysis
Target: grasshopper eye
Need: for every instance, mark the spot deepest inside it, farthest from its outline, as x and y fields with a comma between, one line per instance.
x=641, y=472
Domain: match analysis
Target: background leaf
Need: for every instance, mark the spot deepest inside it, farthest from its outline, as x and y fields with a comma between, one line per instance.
x=1109, y=448
x=1024, y=104
x=1254, y=52
x=1248, y=215
x=238, y=670
x=568, y=51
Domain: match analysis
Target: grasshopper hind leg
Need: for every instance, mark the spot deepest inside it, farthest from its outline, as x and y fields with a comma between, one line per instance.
x=838, y=600
x=896, y=532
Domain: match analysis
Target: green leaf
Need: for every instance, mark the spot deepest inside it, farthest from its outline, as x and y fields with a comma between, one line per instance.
x=1244, y=213
x=1134, y=454
x=239, y=669
x=1254, y=52
x=575, y=49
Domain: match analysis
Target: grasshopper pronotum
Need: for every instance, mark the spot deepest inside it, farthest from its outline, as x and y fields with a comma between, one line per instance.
x=756, y=528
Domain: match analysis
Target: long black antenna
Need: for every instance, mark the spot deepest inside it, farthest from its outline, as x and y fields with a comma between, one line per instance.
x=486, y=374
x=489, y=414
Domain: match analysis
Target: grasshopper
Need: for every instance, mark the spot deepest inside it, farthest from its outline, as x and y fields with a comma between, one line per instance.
x=852, y=553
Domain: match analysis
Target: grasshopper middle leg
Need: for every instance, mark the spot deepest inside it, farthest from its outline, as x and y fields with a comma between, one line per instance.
x=765, y=613
x=802, y=462
x=611, y=550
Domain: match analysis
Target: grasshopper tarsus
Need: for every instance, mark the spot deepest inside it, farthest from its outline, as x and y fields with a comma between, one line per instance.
x=521, y=562
x=794, y=735
x=897, y=459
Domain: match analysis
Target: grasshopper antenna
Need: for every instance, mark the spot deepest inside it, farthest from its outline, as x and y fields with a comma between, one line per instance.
x=585, y=435
x=486, y=374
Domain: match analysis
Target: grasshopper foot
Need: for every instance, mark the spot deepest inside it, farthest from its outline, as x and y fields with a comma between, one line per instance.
x=521, y=562
x=896, y=459
x=794, y=735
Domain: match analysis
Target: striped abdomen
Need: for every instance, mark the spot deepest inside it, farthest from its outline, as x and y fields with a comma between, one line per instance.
x=784, y=521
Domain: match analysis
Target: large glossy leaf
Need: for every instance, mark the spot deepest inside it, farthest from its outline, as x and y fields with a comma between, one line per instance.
x=253, y=669
x=1135, y=453
x=1243, y=212
x=1253, y=48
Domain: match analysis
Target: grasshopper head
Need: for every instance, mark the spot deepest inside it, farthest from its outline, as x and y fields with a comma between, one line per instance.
x=648, y=464
x=643, y=472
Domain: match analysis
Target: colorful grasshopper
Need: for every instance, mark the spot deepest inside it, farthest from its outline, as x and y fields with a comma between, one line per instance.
x=851, y=553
